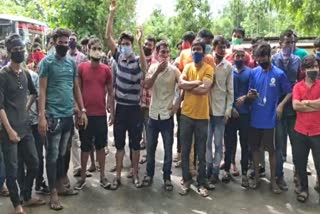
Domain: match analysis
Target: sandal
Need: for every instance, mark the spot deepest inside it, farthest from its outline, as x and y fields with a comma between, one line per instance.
x=136, y=182
x=68, y=192
x=185, y=188
x=147, y=181
x=302, y=197
x=203, y=191
x=55, y=206
x=105, y=183
x=115, y=184
x=168, y=186
x=34, y=202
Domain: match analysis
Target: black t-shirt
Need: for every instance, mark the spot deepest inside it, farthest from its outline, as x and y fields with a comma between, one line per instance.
x=14, y=90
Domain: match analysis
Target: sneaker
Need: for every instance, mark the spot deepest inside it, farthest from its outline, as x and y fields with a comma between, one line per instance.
x=245, y=182
x=226, y=178
x=214, y=179
x=80, y=184
x=282, y=184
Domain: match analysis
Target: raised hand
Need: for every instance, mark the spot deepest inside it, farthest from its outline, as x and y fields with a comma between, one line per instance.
x=113, y=6
x=139, y=34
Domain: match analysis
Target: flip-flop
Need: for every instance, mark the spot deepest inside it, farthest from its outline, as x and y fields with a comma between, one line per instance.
x=136, y=182
x=57, y=207
x=69, y=192
x=115, y=184
x=34, y=202
x=105, y=183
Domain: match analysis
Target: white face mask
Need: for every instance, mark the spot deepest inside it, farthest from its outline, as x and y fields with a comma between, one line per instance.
x=95, y=54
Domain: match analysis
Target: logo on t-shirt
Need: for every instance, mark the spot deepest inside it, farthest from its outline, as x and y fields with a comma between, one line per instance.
x=273, y=82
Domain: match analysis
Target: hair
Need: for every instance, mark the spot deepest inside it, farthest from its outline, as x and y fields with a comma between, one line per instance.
x=160, y=44
x=205, y=33
x=199, y=41
x=36, y=45
x=74, y=34
x=10, y=39
x=84, y=41
x=219, y=40
x=126, y=35
x=152, y=39
x=239, y=30
x=60, y=32
x=316, y=43
x=286, y=33
x=262, y=49
x=93, y=41
x=189, y=36
x=308, y=61
x=37, y=40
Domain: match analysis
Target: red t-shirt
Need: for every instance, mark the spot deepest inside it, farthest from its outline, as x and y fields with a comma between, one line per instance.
x=307, y=123
x=93, y=87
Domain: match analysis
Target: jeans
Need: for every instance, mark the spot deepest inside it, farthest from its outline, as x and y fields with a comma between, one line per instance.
x=216, y=130
x=25, y=151
x=178, y=115
x=285, y=127
x=165, y=127
x=57, y=137
x=301, y=148
x=2, y=168
x=234, y=125
x=198, y=128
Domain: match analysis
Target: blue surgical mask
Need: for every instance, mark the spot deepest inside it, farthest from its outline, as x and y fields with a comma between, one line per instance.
x=208, y=49
x=318, y=54
x=239, y=63
x=126, y=50
x=197, y=57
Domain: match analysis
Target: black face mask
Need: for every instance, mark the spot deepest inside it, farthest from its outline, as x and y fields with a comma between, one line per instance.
x=62, y=50
x=147, y=51
x=17, y=57
x=219, y=57
x=312, y=75
x=264, y=65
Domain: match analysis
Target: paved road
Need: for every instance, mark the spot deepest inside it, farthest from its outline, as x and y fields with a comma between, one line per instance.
x=227, y=198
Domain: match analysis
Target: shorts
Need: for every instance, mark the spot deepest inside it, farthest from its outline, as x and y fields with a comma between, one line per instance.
x=262, y=137
x=95, y=134
x=128, y=118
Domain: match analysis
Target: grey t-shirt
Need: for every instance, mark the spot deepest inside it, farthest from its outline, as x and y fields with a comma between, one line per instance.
x=14, y=89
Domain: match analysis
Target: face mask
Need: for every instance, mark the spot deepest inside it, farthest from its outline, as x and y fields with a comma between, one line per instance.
x=208, y=49
x=126, y=50
x=286, y=52
x=95, y=54
x=37, y=56
x=318, y=55
x=72, y=45
x=312, y=74
x=17, y=57
x=147, y=51
x=239, y=63
x=264, y=65
x=62, y=50
x=236, y=41
x=219, y=57
x=197, y=57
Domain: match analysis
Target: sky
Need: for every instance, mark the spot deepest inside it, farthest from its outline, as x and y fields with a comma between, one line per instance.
x=145, y=7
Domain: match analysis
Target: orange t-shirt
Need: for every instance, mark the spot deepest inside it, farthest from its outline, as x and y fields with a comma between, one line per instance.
x=186, y=58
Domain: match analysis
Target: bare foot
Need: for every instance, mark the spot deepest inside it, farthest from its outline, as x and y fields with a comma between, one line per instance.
x=19, y=210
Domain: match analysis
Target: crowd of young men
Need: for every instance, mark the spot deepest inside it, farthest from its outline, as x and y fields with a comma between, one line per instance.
x=66, y=95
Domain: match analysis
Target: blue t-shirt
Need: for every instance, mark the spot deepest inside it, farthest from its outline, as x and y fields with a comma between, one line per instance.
x=241, y=87
x=270, y=86
x=61, y=73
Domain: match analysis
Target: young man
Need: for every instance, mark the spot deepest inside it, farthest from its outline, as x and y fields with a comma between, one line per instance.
x=127, y=96
x=267, y=84
x=290, y=65
x=161, y=112
x=59, y=90
x=221, y=100
x=300, y=52
x=196, y=81
x=95, y=78
x=73, y=52
x=239, y=120
x=15, y=136
x=307, y=137
x=148, y=48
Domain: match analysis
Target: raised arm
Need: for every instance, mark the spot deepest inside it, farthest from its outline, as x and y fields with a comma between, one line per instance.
x=143, y=62
x=109, y=28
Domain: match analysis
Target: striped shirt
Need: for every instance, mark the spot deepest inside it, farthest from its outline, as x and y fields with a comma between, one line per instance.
x=128, y=78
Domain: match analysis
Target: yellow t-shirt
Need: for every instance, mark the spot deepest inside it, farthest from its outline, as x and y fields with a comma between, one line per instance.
x=197, y=106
